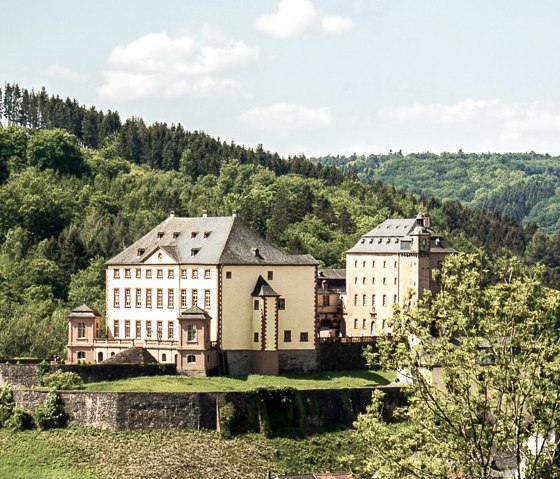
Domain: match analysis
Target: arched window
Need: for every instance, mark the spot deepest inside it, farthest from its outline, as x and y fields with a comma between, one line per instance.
x=81, y=356
x=99, y=356
x=163, y=358
x=113, y=353
x=191, y=358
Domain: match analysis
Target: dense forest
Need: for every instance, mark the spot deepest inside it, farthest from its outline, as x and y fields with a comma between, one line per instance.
x=72, y=195
x=523, y=185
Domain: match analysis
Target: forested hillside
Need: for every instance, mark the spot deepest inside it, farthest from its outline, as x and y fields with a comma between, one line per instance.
x=523, y=185
x=72, y=195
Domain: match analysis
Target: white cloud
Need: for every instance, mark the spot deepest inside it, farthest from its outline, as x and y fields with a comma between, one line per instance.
x=164, y=66
x=55, y=70
x=299, y=16
x=283, y=117
x=437, y=112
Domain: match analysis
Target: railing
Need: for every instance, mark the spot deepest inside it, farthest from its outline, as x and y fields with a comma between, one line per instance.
x=353, y=339
x=135, y=342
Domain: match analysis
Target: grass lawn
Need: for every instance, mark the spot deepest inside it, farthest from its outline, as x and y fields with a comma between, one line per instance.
x=323, y=380
x=90, y=453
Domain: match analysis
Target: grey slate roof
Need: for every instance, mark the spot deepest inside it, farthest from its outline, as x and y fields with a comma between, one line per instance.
x=132, y=356
x=394, y=236
x=262, y=288
x=330, y=273
x=207, y=240
x=84, y=310
x=194, y=312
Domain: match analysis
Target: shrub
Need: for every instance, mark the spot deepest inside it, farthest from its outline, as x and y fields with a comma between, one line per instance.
x=20, y=419
x=62, y=380
x=51, y=413
x=6, y=404
x=42, y=370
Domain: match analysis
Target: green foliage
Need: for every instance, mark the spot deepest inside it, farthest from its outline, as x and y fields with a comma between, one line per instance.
x=483, y=388
x=62, y=380
x=226, y=416
x=51, y=413
x=6, y=404
x=20, y=420
x=43, y=369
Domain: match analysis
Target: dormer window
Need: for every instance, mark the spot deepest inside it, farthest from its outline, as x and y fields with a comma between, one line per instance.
x=371, y=241
x=388, y=240
x=160, y=235
x=140, y=252
x=363, y=241
x=194, y=251
x=175, y=235
x=379, y=240
x=206, y=234
x=193, y=234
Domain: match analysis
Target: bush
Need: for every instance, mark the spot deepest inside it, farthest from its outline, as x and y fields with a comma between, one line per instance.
x=62, y=380
x=51, y=413
x=6, y=404
x=42, y=370
x=20, y=419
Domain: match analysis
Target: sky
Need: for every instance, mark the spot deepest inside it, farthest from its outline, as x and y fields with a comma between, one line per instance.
x=316, y=77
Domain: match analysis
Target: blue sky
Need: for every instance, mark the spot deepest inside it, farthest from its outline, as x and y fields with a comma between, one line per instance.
x=305, y=76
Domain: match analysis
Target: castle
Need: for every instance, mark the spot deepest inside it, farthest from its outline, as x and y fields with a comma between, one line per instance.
x=209, y=294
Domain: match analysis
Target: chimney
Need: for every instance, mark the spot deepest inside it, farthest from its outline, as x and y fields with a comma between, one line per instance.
x=205, y=213
x=426, y=221
x=419, y=219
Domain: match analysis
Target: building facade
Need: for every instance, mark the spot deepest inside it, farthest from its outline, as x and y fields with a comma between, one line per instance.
x=331, y=288
x=253, y=304
x=397, y=256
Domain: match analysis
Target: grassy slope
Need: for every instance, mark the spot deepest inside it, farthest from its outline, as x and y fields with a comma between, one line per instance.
x=325, y=380
x=91, y=453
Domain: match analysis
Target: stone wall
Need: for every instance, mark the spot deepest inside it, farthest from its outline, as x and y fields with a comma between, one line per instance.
x=297, y=360
x=284, y=408
x=19, y=375
x=340, y=356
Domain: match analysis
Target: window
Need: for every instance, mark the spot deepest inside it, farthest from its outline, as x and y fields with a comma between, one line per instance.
x=256, y=304
x=127, y=329
x=364, y=280
x=373, y=300
x=194, y=251
x=184, y=274
x=81, y=356
x=384, y=300
x=206, y=299
x=194, y=297
x=270, y=275
x=160, y=235
x=138, y=334
x=170, y=330
x=163, y=358
x=149, y=329
x=138, y=273
x=287, y=336
x=355, y=280
x=127, y=299
x=255, y=337
x=183, y=298
x=117, y=298
x=193, y=234
x=355, y=264
x=149, y=274
x=191, y=358
x=355, y=323
x=176, y=234
x=170, y=298
x=206, y=274
x=326, y=300
x=138, y=298
x=363, y=324
x=363, y=264
x=395, y=298
x=304, y=337
x=159, y=273
x=228, y=274
x=364, y=300
x=373, y=264
x=170, y=273
x=395, y=281
x=191, y=333
x=140, y=252
x=127, y=273
x=281, y=303
x=81, y=330
x=159, y=298
x=116, y=332
x=116, y=273
x=395, y=264
x=384, y=280
x=384, y=264
x=355, y=300
x=372, y=280
x=206, y=234
x=159, y=330
x=148, y=297
x=194, y=274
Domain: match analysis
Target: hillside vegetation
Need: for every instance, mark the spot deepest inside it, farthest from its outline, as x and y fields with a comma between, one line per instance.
x=523, y=185
x=77, y=186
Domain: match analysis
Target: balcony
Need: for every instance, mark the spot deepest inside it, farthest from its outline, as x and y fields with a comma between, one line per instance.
x=140, y=343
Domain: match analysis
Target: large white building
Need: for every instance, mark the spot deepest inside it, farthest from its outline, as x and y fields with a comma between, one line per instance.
x=387, y=262
x=258, y=302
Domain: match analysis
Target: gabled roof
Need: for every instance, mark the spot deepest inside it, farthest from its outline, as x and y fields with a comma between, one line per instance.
x=332, y=274
x=395, y=236
x=262, y=288
x=132, y=356
x=207, y=240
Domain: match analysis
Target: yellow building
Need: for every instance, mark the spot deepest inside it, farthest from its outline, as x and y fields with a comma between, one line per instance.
x=255, y=305
x=388, y=261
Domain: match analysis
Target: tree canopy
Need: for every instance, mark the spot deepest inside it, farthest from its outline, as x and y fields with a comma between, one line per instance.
x=483, y=361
